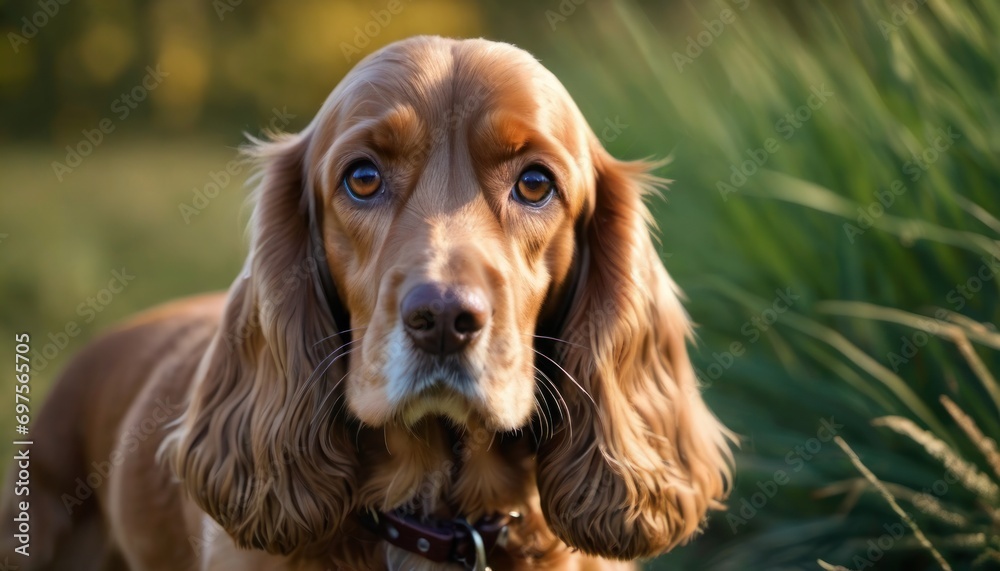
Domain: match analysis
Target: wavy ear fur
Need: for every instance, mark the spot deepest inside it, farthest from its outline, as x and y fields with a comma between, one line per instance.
x=259, y=448
x=641, y=459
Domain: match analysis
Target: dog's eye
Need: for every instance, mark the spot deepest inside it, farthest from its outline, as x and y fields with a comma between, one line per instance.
x=363, y=180
x=534, y=187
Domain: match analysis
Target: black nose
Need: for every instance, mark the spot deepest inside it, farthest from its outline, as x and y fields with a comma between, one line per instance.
x=442, y=320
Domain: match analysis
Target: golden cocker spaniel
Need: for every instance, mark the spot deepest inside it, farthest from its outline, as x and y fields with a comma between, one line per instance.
x=453, y=345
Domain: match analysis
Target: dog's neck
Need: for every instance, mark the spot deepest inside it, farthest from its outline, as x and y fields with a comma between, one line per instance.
x=432, y=469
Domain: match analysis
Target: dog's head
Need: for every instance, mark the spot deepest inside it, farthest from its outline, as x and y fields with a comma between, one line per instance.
x=450, y=177
x=491, y=263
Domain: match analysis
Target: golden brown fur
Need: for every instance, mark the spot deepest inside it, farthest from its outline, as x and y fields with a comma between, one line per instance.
x=274, y=427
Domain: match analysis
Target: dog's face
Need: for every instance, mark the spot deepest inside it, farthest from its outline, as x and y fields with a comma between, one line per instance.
x=462, y=204
x=449, y=180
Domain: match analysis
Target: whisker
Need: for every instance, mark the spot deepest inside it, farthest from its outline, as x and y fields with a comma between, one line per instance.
x=565, y=372
x=357, y=437
x=407, y=428
x=559, y=340
x=328, y=361
x=342, y=346
x=320, y=409
x=339, y=403
x=554, y=392
x=330, y=392
x=331, y=336
x=545, y=423
x=600, y=416
x=332, y=353
x=560, y=403
x=537, y=408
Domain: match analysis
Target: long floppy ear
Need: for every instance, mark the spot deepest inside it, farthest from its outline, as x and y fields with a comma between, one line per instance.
x=259, y=448
x=640, y=458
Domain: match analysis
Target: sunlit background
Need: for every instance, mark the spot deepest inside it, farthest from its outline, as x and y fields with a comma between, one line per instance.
x=832, y=219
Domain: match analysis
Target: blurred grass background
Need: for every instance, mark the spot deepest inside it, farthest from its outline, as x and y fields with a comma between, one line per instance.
x=842, y=103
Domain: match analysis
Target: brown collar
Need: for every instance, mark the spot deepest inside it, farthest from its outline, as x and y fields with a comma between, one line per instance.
x=442, y=541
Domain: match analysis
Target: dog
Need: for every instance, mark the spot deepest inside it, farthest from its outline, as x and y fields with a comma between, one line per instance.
x=452, y=345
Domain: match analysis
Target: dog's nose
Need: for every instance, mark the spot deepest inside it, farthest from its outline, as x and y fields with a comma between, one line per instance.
x=442, y=320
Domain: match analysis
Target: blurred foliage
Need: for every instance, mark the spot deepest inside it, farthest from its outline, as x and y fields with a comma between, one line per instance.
x=229, y=61
x=874, y=83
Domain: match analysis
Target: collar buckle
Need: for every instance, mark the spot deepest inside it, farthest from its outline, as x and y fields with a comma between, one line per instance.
x=477, y=540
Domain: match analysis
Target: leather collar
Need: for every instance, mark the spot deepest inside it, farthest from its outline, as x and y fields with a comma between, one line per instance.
x=440, y=540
